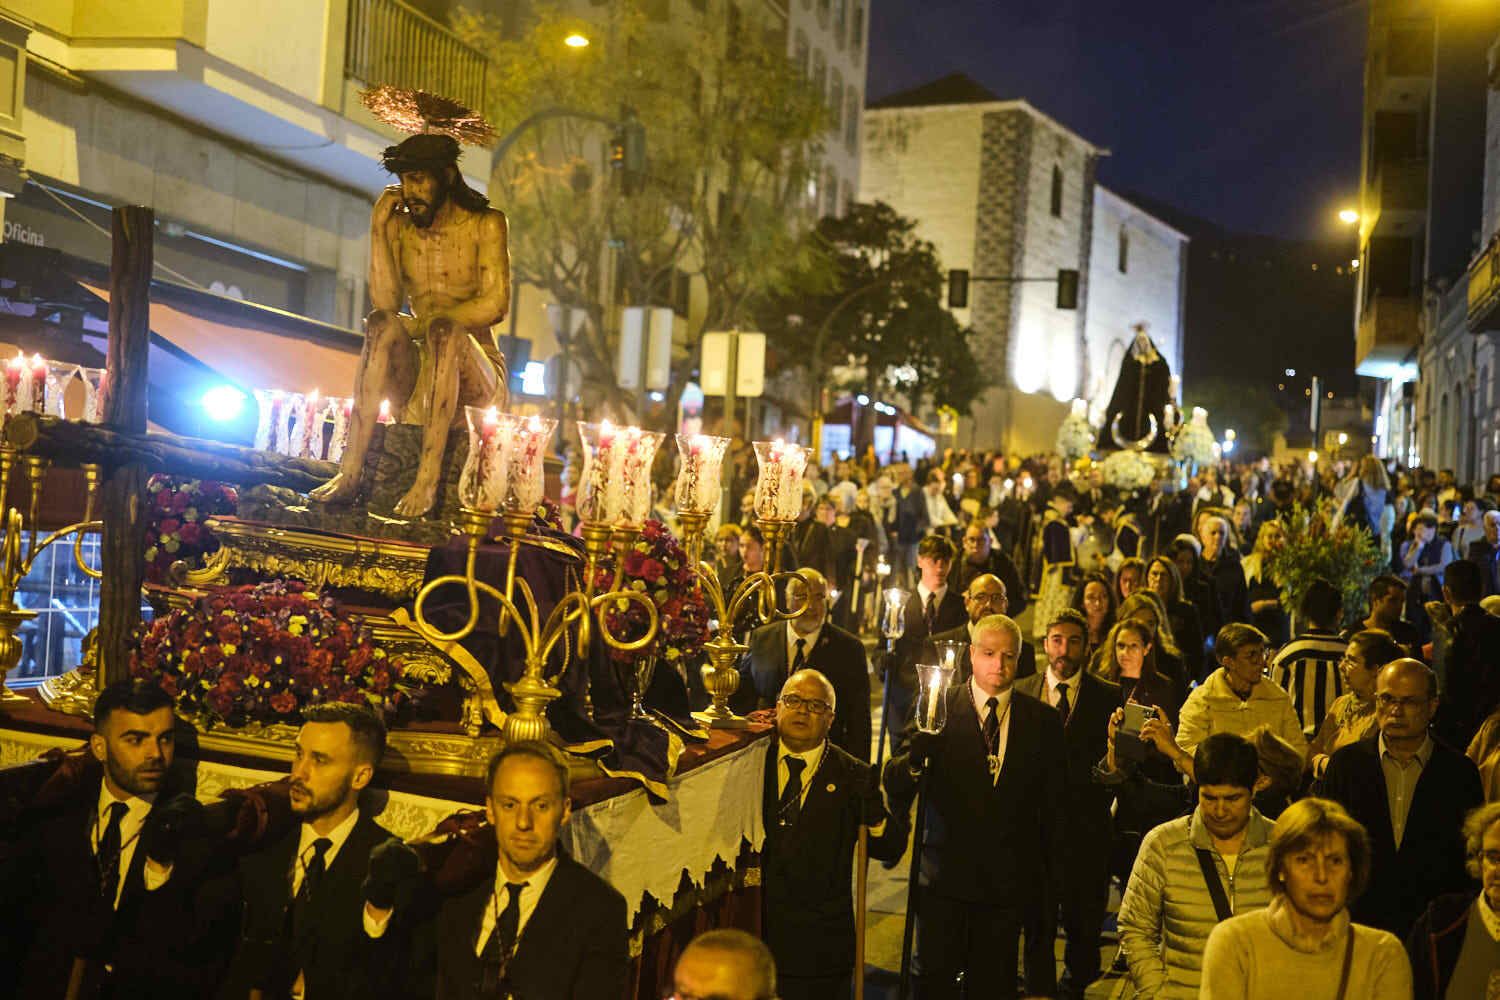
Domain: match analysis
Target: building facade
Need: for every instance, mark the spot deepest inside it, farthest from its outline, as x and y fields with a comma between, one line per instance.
x=1004, y=193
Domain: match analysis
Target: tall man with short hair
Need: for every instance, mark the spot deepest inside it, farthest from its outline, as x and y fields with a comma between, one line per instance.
x=995, y=822
x=1411, y=793
x=100, y=884
x=542, y=925
x=1195, y=871
x=811, y=641
x=1469, y=667
x=1387, y=601
x=815, y=797
x=986, y=595
x=933, y=607
x=1084, y=702
x=306, y=931
x=1307, y=668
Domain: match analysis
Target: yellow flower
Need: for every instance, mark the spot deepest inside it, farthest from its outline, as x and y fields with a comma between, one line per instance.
x=230, y=649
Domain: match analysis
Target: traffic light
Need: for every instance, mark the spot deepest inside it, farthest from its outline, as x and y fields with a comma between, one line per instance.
x=627, y=154
x=1067, y=289
x=958, y=289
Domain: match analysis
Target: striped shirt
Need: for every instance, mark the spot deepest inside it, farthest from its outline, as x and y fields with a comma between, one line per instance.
x=1307, y=668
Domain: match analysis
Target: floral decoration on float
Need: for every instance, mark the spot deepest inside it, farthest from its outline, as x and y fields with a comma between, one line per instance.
x=1075, y=436
x=176, y=510
x=657, y=565
x=1127, y=471
x=1195, y=442
x=261, y=653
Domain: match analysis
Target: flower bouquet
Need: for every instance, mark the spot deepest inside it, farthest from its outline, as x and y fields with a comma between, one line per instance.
x=261, y=653
x=1195, y=442
x=1075, y=436
x=176, y=510
x=657, y=565
x=1127, y=471
x=1315, y=547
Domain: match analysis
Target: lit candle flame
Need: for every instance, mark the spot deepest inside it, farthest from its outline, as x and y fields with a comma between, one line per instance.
x=535, y=424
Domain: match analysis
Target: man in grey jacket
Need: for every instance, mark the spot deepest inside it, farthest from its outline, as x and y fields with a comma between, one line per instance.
x=1195, y=871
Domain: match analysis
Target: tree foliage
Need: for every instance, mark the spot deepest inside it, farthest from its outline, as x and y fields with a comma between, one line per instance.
x=1254, y=416
x=874, y=321
x=733, y=135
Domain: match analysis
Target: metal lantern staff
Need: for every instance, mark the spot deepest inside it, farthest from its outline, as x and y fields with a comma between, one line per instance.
x=892, y=627
x=931, y=715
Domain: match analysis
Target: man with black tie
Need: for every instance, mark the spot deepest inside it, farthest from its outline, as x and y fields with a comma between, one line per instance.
x=815, y=798
x=1411, y=794
x=812, y=641
x=307, y=928
x=934, y=607
x=1084, y=703
x=986, y=595
x=542, y=926
x=994, y=840
x=88, y=890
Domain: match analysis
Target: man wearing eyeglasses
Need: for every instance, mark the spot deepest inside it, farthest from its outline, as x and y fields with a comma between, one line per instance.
x=985, y=595
x=815, y=798
x=810, y=641
x=1411, y=793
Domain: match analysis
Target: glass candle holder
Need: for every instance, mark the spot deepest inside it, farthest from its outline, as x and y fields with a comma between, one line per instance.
x=93, y=394
x=339, y=411
x=307, y=426
x=59, y=378
x=530, y=439
x=635, y=467
x=17, y=386
x=893, y=613
x=700, y=476
x=485, y=477
x=269, y=404
x=599, y=495
x=38, y=375
x=950, y=653
x=778, y=488
x=932, y=696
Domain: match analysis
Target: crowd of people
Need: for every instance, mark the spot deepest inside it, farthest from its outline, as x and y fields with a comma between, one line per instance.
x=1284, y=797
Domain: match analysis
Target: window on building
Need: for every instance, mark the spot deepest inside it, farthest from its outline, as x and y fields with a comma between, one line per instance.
x=840, y=21
x=1124, y=262
x=820, y=71
x=846, y=197
x=836, y=101
x=732, y=23
x=857, y=29
x=1057, y=185
x=851, y=120
x=825, y=9
x=802, y=53
x=830, y=192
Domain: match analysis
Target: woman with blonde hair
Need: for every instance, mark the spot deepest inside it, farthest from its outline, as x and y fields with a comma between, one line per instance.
x=1304, y=943
x=1262, y=588
x=1365, y=499
x=1165, y=580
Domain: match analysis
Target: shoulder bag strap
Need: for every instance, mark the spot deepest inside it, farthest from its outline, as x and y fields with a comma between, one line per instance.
x=1215, y=885
x=1348, y=961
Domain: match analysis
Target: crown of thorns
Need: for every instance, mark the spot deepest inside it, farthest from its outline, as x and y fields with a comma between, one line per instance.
x=437, y=125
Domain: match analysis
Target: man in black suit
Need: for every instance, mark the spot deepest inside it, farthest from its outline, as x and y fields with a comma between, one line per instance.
x=307, y=930
x=542, y=926
x=781, y=649
x=1084, y=703
x=815, y=798
x=933, y=607
x=994, y=841
x=97, y=886
x=1470, y=664
x=1411, y=794
x=986, y=595
x=1485, y=553
x=981, y=558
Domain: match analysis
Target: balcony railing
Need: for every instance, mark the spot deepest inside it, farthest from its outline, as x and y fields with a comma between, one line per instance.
x=391, y=43
x=1389, y=328
x=1484, y=289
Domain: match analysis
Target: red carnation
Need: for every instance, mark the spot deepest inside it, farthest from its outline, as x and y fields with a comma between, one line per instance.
x=284, y=702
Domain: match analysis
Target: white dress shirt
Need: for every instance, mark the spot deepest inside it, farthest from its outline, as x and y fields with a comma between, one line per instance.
x=1002, y=705
x=305, y=851
x=138, y=807
x=937, y=596
x=792, y=635
x=1054, y=683
x=536, y=884
x=812, y=758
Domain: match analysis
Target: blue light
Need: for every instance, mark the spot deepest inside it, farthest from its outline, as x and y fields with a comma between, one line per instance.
x=223, y=403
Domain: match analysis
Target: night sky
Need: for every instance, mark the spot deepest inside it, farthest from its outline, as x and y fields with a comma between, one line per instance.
x=1243, y=112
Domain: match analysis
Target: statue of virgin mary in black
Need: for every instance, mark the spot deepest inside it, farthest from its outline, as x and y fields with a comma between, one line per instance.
x=1134, y=418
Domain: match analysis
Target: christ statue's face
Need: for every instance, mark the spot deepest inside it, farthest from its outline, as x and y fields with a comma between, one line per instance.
x=423, y=193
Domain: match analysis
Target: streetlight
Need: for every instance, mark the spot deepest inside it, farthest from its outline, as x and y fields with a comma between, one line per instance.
x=576, y=41
x=1348, y=216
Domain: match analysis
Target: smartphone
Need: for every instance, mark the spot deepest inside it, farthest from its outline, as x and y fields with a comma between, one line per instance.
x=1135, y=717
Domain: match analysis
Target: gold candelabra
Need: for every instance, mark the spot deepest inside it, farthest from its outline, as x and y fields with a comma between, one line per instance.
x=14, y=566
x=535, y=689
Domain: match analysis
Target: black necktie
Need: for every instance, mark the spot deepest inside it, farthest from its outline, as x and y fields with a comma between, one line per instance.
x=929, y=614
x=790, y=806
x=313, y=873
x=799, y=660
x=503, y=940
x=108, y=855
x=992, y=725
x=1063, y=708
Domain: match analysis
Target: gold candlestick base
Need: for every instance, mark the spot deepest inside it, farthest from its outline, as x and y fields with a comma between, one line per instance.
x=721, y=679
x=11, y=619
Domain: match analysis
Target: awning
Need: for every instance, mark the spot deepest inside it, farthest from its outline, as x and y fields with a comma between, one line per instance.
x=252, y=356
